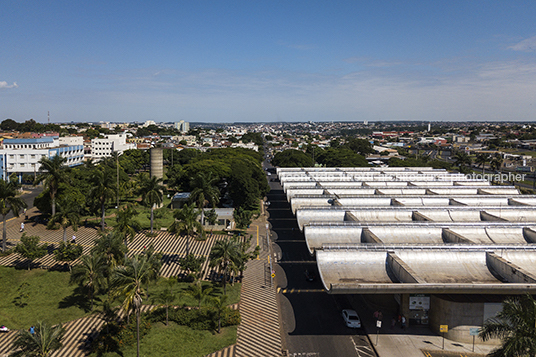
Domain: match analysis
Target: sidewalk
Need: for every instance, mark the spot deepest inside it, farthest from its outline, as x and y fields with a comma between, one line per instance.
x=413, y=340
x=258, y=332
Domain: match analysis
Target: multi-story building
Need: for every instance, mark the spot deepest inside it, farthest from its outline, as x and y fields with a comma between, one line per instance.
x=21, y=156
x=103, y=147
x=182, y=126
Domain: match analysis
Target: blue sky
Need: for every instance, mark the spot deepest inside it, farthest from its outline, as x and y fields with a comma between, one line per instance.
x=265, y=61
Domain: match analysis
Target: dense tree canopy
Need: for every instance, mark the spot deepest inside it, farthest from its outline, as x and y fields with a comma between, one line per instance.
x=292, y=158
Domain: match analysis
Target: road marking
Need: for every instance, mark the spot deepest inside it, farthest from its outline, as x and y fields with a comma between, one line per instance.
x=298, y=291
x=362, y=351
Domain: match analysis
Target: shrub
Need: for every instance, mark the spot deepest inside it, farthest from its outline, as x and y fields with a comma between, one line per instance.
x=116, y=335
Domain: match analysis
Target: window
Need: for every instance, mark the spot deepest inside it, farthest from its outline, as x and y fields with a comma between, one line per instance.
x=21, y=156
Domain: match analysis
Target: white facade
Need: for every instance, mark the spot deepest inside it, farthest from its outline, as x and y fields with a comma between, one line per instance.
x=182, y=126
x=21, y=156
x=103, y=147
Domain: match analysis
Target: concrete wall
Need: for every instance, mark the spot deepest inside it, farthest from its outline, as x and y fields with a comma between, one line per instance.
x=401, y=270
x=507, y=270
x=445, y=312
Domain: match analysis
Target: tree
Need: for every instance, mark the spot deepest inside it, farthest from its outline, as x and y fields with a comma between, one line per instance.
x=515, y=325
x=292, y=158
x=103, y=189
x=243, y=256
x=67, y=215
x=222, y=255
x=30, y=249
x=481, y=159
x=111, y=247
x=90, y=274
x=68, y=252
x=42, y=343
x=186, y=223
x=211, y=217
x=496, y=163
x=167, y=296
x=52, y=172
x=152, y=192
x=192, y=264
x=204, y=191
x=9, y=202
x=462, y=160
x=198, y=291
x=220, y=305
x=128, y=283
x=242, y=218
x=126, y=225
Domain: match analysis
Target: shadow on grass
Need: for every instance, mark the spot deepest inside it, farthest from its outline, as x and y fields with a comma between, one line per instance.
x=79, y=298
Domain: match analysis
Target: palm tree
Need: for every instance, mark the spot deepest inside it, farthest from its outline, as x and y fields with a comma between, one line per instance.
x=204, y=191
x=107, y=311
x=42, y=343
x=128, y=283
x=198, y=292
x=67, y=215
x=222, y=255
x=167, y=296
x=496, y=163
x=462, y=159
x=89, y=274
x=155, y=263
x=220, y=305
x=111, y=247
x=152, y=192
x=515, y=325
x=126, y=225
x=481, y=159
x=103, y=190
x=186, y=222
x=243, y=256
x=9, y=202
x=52, y=172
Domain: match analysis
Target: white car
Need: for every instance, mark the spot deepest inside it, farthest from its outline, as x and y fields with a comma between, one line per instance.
x=351, y=318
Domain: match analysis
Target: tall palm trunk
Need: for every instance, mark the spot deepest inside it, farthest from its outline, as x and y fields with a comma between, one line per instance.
x=64, y=234
x=53, y=204
x=4, y=234
x=138, y=331
x=102, y=215
x=152, y=216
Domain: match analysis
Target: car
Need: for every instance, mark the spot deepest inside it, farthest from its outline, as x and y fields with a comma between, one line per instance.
x=351, y=318
x=309, y=275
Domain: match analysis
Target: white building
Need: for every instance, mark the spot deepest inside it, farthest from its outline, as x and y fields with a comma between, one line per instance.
x=21, y=156
x=103, y=147
x=182, y=126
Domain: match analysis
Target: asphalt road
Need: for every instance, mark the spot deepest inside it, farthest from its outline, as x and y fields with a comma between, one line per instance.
x=30, y=193
x=312, y=324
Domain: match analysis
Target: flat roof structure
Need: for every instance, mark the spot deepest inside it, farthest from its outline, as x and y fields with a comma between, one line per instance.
x=414, y=230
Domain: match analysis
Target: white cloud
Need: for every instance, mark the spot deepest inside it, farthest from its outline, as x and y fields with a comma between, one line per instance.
x=4, y=85
x=527, y=45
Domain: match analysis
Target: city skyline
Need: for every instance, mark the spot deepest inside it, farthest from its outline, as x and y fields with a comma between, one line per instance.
x=268, y=61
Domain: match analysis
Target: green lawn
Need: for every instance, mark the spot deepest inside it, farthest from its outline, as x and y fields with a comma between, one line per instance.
x=49, y=298
x=175, y=340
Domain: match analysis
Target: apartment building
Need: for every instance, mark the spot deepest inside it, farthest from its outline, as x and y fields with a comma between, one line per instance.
x=21, y=156
x=103, y=147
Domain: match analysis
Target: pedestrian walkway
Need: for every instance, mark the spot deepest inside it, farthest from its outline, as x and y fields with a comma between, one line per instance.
x=258, y=332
